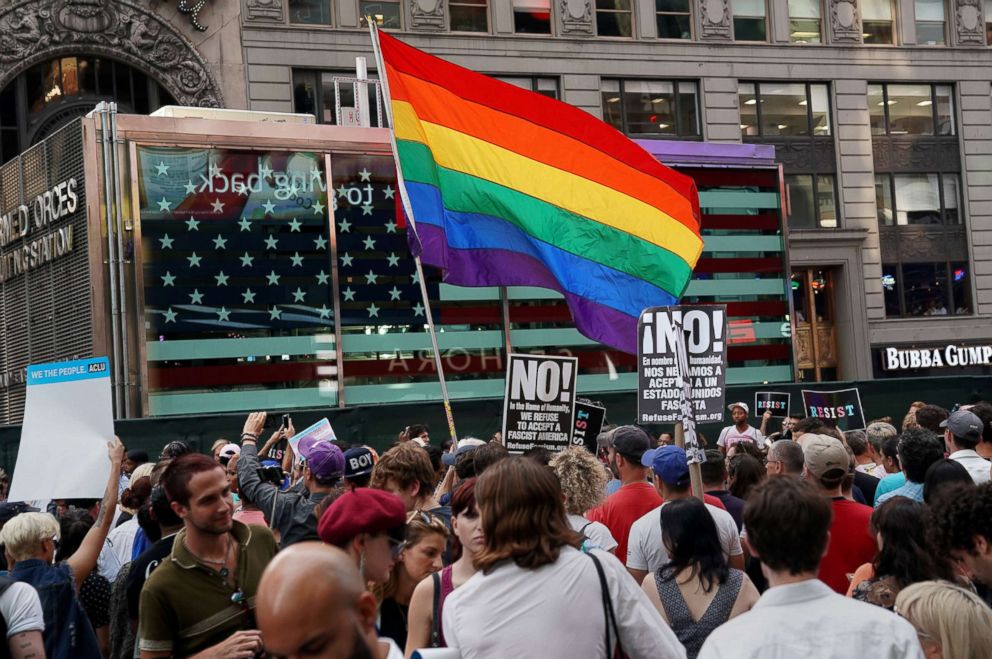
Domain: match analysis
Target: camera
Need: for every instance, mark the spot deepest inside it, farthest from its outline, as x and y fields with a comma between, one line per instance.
x=271, y=475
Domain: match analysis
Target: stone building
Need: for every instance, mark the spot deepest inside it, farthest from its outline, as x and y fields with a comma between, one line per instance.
x=878, y=110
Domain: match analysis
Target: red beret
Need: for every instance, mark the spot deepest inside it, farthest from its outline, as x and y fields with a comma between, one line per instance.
x=365, y=510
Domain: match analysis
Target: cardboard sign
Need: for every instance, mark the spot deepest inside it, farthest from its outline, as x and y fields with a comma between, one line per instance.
x=320, y=430
x=68, y=420
x=842, y=406
x=588, y=424
x=659, y=387
x=774, y=401
x=539, y=403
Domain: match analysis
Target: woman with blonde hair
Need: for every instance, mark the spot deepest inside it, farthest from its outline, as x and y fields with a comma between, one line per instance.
x=952, y=622
x=420, y=556
x=583, y=483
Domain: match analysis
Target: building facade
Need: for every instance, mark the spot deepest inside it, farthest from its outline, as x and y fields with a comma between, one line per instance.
x=879, y=112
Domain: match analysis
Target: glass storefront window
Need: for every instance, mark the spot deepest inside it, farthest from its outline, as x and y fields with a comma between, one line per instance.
x=961, y=288
x=236, y=264
x=925, y=289
x=890, y=290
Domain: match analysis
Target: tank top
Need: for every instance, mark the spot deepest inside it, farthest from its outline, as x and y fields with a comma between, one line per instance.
x=691, y=632
x=446, y=586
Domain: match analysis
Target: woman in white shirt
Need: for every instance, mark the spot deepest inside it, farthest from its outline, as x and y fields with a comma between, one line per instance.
x=536, y=595
x=583, y=484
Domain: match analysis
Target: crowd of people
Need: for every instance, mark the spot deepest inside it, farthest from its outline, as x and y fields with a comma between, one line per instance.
x=805, y=542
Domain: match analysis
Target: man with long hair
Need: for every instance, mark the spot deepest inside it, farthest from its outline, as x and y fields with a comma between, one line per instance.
x=536, y=595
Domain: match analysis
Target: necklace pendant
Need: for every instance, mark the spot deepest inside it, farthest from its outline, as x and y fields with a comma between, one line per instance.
x=224, y=573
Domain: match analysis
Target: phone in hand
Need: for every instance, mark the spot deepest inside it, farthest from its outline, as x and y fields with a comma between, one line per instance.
x=286, y=421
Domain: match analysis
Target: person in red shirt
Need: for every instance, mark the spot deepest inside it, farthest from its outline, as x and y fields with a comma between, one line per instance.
x=827, y=463
x=625, y=446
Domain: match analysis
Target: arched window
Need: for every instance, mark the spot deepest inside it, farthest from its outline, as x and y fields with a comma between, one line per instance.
x=49, y=95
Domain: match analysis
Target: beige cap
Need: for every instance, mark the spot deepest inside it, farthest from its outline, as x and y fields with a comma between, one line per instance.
x=825, y=454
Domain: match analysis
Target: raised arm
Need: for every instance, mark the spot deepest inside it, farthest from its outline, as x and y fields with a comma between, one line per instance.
x=250, y=484
x=84, y=559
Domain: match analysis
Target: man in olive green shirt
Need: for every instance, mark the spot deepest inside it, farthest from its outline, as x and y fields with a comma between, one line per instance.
x=200, y=601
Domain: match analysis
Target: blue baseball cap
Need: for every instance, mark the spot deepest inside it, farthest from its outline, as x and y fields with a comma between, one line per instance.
x=669, y=463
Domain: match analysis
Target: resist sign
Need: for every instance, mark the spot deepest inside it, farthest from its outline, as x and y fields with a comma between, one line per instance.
x=539, y=404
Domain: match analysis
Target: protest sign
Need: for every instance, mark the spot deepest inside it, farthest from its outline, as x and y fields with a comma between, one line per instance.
x=843, y=406
x=539, y=404
x=659, y=387
x=588, y=424
x=320, y=430
x=775, y=402
x=68, y=420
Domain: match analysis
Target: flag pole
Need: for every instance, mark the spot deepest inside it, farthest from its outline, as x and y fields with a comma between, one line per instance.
x=408, y=209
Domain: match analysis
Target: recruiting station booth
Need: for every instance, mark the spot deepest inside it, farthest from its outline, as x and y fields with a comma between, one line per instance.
x=229, y=261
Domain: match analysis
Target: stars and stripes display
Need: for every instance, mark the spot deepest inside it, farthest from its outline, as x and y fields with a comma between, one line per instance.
x=234, y=241
x=377, y=275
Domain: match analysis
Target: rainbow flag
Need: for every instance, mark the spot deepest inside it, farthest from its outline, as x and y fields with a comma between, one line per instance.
x=511, y=188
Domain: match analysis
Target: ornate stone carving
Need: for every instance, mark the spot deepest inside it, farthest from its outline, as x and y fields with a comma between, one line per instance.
x=813, y=156
x=427, y=15
x=916, y=154
x=35, y=30
x=923, y=243
x=714, y=20
x=264, y=10
x=576, y=17
x=969, y=25
x=845, y=22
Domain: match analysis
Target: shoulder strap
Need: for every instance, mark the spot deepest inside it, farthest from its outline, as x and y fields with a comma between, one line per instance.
x=436, y=618
x=582, y=531
x=608, y=613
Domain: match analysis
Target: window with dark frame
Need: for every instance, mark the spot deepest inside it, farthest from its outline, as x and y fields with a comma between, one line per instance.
x=804, y=21
x=545, y=85
x=468, y=15
x=387, y=14
x=532, y=16
x=926, y=289
x=911, y=109
x=812, y=201
x=310, y=12
x=918, y=199
x=651, y=107
x=750, y=20
x=787, y=109
x=614, y=18
x=931, y=22
x=313, y=93
x=674, y=19
x=876, y=21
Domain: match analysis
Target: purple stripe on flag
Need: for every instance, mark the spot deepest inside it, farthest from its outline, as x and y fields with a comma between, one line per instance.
x=496, y=267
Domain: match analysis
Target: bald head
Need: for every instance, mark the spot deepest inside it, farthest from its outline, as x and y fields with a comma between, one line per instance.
x=311, y=602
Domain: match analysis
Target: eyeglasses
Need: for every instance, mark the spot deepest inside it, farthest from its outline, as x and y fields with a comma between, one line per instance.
x=55, y=542
x=396, y=548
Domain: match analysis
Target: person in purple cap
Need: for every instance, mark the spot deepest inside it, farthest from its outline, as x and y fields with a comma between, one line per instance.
x=290, y=513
